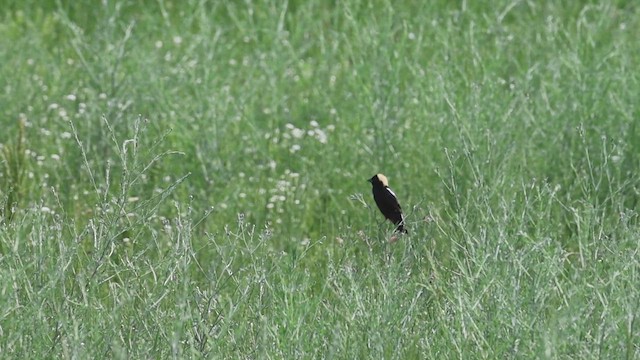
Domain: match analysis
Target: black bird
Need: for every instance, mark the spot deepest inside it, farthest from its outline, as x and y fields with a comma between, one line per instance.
x=387, y=201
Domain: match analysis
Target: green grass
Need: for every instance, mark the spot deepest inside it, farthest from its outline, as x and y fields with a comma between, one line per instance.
x=186, y=179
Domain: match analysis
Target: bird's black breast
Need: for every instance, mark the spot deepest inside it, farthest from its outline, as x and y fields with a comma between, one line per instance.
x=387, y=203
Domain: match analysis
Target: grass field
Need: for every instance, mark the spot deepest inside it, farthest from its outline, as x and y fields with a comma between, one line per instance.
x=187, y=179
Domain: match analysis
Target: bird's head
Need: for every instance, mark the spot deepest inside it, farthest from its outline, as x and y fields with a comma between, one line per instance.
x=379, y=179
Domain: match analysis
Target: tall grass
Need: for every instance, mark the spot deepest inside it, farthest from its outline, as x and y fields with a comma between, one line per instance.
x=187, y=179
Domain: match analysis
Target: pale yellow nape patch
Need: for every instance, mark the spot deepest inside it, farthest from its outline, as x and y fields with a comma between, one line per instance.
x=383, y=179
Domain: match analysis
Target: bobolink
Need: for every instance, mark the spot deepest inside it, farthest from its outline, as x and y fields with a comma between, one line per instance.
x=387, y=201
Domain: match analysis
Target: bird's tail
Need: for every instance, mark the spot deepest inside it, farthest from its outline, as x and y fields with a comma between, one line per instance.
x=401, y=228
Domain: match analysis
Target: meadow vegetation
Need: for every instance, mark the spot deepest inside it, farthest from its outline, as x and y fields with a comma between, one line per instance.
x=187, y=179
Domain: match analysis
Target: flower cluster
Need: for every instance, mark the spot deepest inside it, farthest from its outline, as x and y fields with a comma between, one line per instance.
x=283, y=194
x=297, y=135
